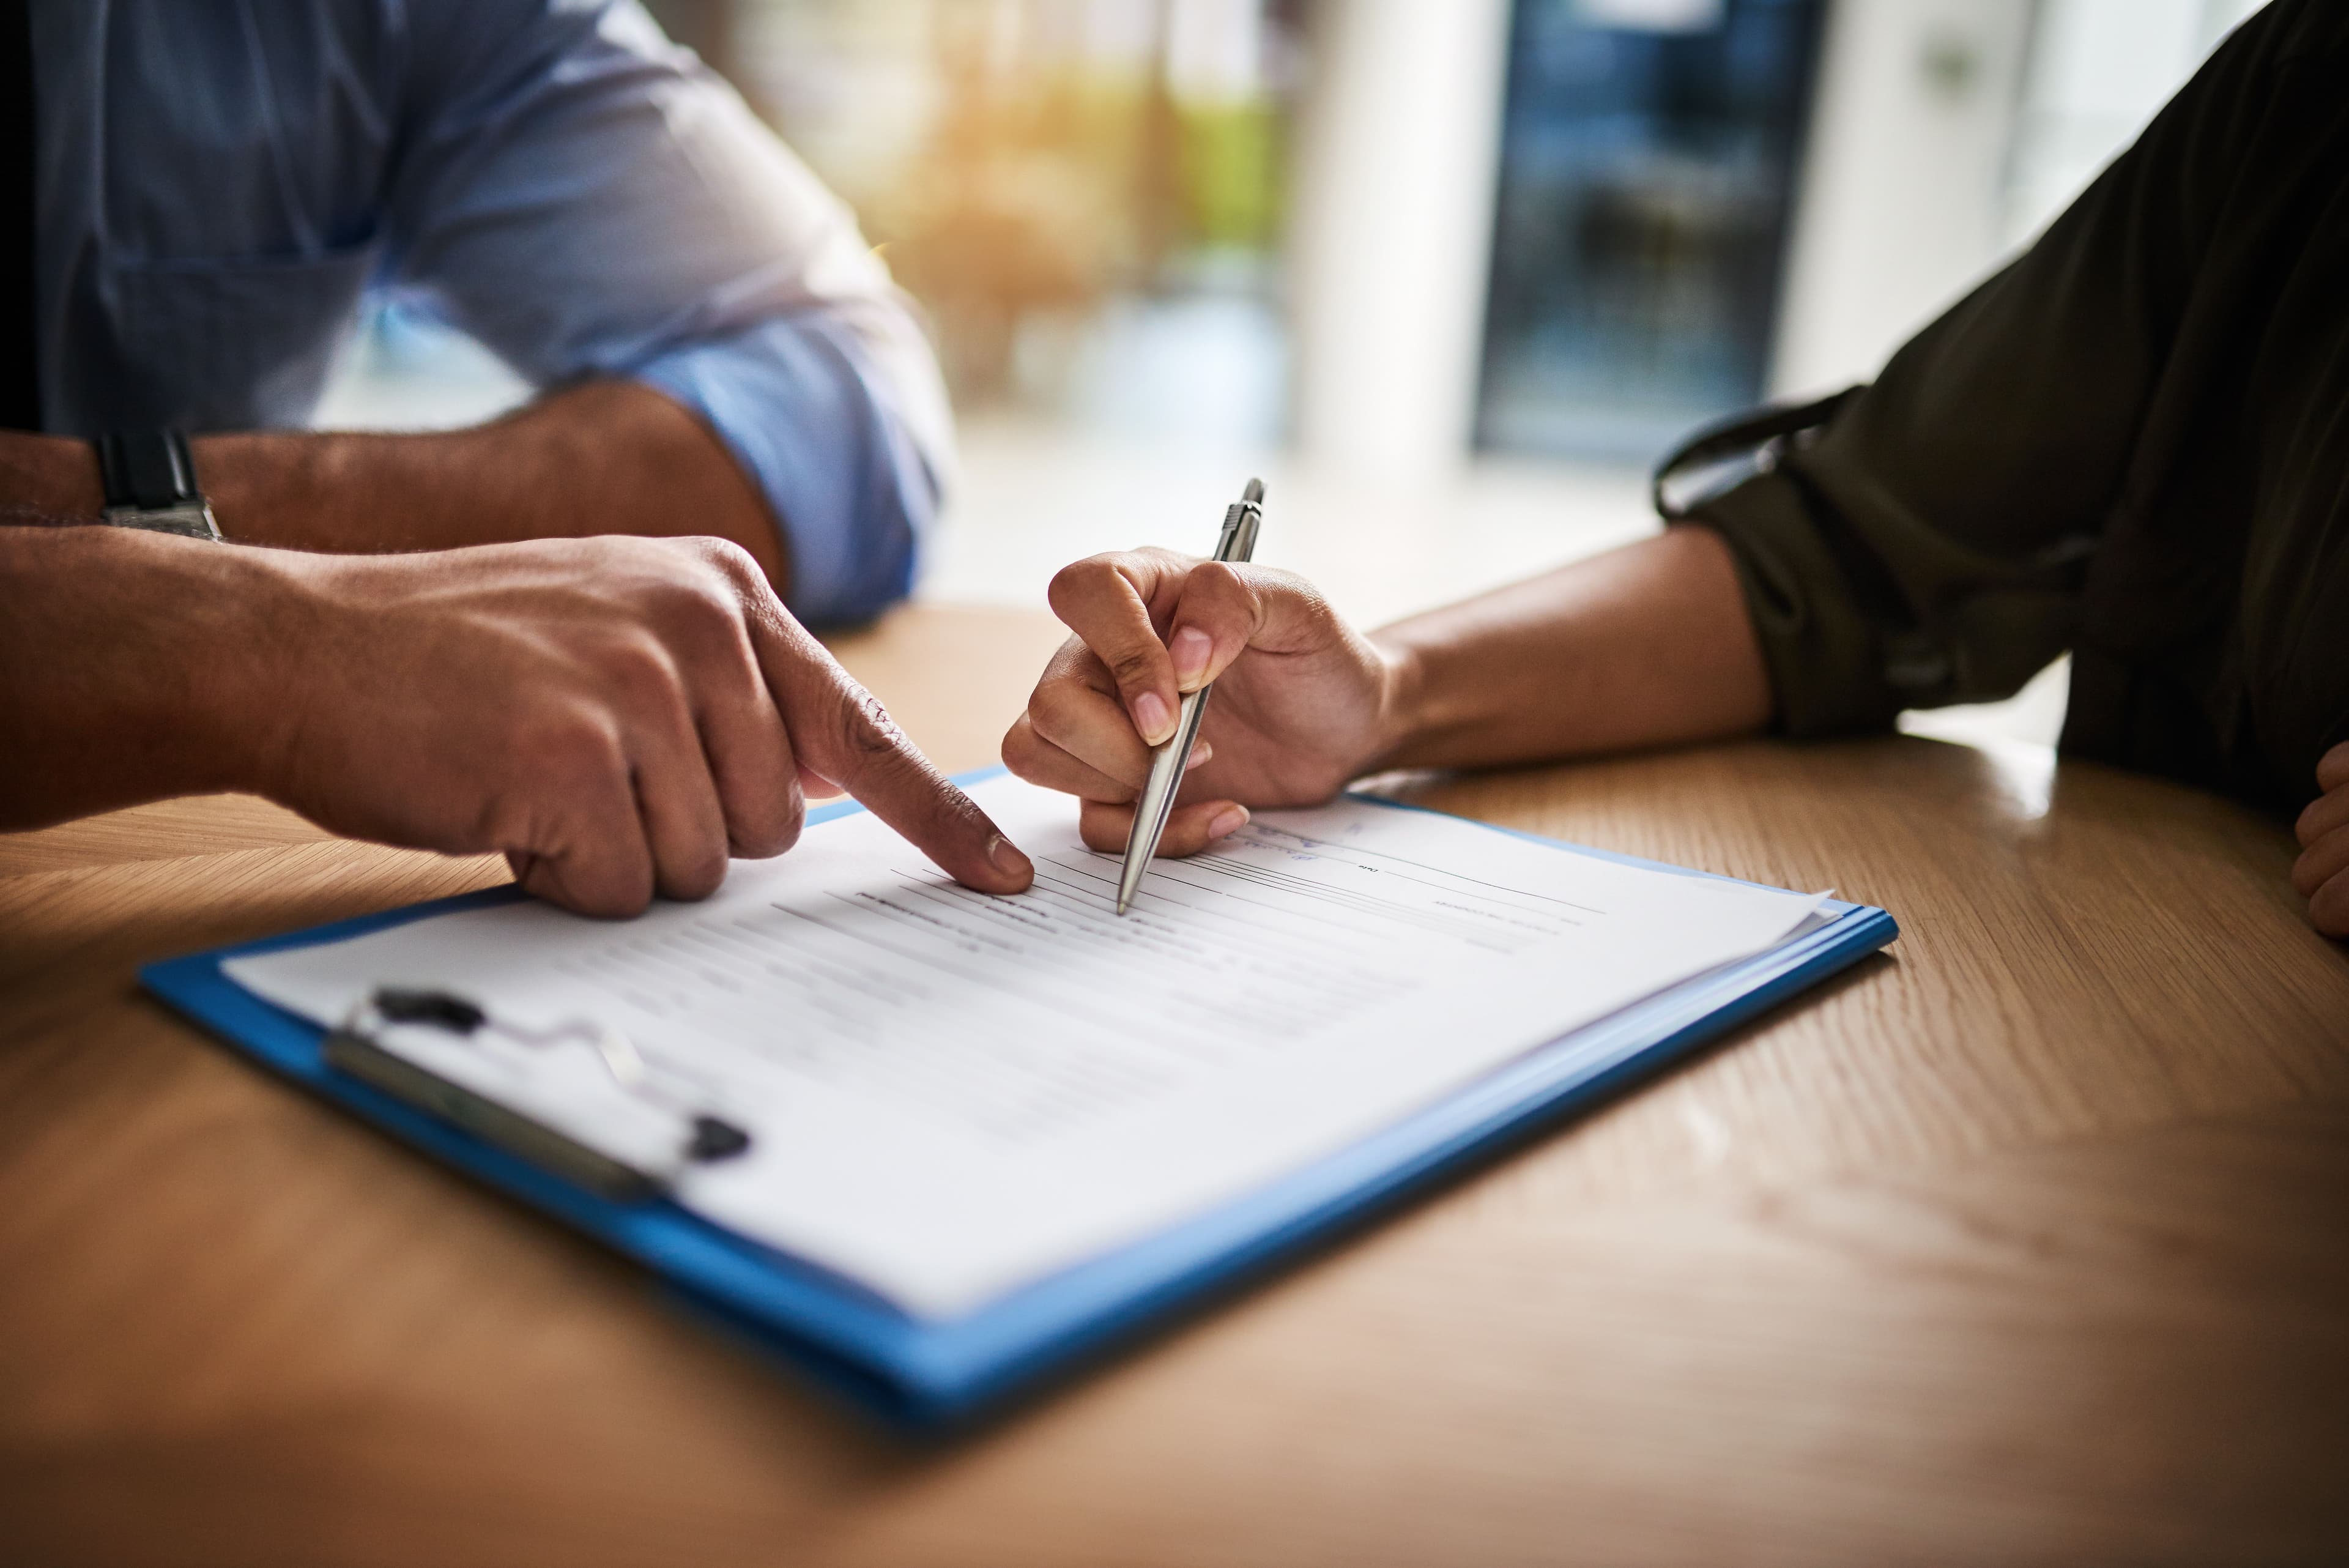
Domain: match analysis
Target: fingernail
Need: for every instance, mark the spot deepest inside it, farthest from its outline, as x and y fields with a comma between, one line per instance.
x=1228, y=821
x=1200, y=753
x=1190, y=647
x=1007, y=857
x=1150, y=717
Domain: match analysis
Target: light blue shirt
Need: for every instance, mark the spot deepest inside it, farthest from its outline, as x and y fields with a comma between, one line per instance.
x=221, y=181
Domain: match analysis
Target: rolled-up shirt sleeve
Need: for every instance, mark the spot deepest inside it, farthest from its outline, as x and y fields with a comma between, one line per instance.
x=587, y=201
x=795, y=402
x=1932, y=544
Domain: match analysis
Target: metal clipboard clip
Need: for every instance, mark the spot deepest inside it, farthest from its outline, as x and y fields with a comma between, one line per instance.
x=353, y=1047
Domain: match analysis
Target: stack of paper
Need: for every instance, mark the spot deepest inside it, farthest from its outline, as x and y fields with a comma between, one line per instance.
x=951, y=1094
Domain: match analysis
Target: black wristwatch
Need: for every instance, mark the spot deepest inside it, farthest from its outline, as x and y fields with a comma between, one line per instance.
x=150, y=483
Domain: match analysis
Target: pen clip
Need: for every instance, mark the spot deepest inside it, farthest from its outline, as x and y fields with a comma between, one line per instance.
x=1236, y=541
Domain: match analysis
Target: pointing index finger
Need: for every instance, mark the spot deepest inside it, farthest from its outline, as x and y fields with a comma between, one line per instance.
x=841, y=731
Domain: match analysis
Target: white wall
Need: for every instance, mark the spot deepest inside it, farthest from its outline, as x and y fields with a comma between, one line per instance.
x=1946, y=133
x=2099, y=71
x=1392, y=222
x=1899, y=209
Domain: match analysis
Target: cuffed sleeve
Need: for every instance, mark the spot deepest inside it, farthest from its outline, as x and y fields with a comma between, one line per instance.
x=1821, y=652
x=807, y=418
x=1862, y=615
x=1934, y=543
x=588, y=200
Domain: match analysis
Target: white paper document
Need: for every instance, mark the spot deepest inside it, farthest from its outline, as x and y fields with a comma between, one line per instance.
x=951, y=1094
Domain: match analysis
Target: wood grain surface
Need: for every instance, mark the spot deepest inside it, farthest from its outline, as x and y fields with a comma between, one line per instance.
x=2026, y=1243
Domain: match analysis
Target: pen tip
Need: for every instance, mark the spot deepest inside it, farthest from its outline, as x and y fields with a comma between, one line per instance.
x=1121, y=904
x=1255, y=491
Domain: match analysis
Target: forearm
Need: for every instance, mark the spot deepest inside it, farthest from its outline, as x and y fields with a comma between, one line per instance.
x=1646, y=646
x=125, y=669
x=619, y=716
x=47, y=479
x=608, y=457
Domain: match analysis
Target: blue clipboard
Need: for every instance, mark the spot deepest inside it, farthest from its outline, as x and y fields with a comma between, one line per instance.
x=929, y=1375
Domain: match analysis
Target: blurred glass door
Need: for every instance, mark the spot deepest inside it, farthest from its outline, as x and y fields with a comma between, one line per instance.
x=1648, y=165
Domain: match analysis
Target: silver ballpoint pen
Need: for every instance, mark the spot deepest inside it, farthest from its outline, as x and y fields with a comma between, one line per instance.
x=1237, y=543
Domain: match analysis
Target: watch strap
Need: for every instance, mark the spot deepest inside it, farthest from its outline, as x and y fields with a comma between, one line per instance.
x=147, y=469
x=150, y=477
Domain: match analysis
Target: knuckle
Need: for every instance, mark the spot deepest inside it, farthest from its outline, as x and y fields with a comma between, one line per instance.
x=1073, y=661
x=1219, y=598
x=790, y=817
x=577, y=750
x=1310, y=600
x=701, y=876
x=695, y=606
x=1136, y=665
x=605, y=886
x=1215, y=579
x=1081, y=581
x=1278, y=580
x=639, y=673
x=788, y=820
x=869, y=730
x=617, y=900
x=1022, y=750
x=764, y=820
x=737, y=563
x=1057, y=709
x=1103, y=827
x=603, y=554
x=755, y=841
x=765, y=839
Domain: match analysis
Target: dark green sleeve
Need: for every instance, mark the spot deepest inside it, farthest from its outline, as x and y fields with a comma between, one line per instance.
x=1931, y=545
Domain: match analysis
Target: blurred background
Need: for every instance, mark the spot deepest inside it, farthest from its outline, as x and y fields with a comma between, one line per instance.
x=1448, y=273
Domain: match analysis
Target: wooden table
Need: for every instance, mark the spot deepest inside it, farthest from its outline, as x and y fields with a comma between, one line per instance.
x=2026, y=1243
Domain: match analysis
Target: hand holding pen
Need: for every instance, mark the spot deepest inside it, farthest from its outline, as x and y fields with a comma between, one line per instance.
x=1303, y=703
x=1171, y=758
